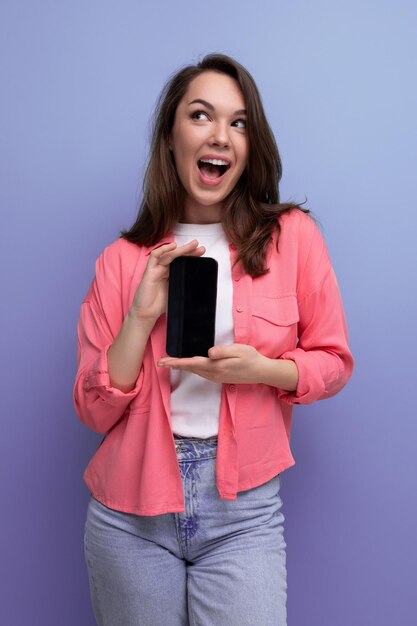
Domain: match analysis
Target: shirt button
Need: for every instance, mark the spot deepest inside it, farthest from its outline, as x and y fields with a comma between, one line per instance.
x=232, y=388
x=239, y=309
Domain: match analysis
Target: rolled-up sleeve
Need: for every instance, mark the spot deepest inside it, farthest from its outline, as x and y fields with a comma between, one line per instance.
x=97, y=403
x=322, y=355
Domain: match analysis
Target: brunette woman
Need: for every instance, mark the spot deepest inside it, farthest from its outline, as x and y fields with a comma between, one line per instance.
x=185, y=525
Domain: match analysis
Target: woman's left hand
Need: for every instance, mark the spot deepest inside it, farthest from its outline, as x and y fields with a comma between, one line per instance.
x=236, y=363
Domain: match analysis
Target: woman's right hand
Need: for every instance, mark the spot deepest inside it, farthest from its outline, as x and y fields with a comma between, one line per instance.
x=151, y=296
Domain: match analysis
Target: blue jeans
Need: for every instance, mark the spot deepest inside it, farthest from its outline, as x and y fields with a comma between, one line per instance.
x=220, y=563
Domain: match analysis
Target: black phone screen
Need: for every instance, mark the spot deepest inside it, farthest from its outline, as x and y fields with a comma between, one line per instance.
x=191, y=315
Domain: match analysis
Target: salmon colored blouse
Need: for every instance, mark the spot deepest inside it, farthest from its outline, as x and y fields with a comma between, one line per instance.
x=293, y=312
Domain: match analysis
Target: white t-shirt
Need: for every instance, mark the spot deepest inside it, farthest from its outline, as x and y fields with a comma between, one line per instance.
x=195, y=401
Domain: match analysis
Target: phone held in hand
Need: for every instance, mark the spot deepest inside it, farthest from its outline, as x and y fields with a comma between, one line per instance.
x=192, y=296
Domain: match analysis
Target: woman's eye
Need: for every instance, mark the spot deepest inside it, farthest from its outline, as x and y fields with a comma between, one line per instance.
x=240, y=123
x=199, y=115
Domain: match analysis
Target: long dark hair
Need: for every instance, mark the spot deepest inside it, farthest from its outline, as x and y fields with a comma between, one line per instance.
x=251, y=211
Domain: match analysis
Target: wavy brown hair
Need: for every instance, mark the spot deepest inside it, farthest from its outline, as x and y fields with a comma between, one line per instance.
x=251, y=211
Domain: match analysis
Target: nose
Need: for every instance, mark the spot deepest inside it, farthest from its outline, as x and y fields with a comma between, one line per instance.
x=220, y=136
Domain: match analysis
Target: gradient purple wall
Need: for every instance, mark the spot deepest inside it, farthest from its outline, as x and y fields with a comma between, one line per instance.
x=78, y=84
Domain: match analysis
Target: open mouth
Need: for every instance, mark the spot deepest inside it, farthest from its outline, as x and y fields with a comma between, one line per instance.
x=213, y=168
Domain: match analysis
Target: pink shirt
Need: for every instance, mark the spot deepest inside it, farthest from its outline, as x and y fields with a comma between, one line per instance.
x=293, y=312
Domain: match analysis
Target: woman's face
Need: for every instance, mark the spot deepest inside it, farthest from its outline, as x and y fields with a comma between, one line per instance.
x=209, y=144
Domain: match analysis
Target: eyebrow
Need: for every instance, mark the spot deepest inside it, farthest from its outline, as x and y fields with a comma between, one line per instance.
x=211, y=107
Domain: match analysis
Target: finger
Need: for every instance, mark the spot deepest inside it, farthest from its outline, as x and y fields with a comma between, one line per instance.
x=180, y=251
x=197, y=252
x=184, y=363
x=189, y=249
x=166, y=248
x=160, y=250
x=223, y=352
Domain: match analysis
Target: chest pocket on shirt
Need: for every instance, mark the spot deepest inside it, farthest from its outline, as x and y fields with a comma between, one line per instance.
x=274, y=324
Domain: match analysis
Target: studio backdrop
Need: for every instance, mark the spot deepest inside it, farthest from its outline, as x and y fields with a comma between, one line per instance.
x=79, y=82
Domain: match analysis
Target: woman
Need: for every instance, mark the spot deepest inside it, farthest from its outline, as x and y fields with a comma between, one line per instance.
x=185, y=525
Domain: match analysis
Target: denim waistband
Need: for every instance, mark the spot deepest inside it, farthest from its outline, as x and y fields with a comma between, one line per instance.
x=194, y=448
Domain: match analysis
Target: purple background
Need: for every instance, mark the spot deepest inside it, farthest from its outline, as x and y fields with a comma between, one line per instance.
x=78, y=84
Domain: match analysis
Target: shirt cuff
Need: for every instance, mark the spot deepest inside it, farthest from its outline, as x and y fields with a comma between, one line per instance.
x=98, y=378
x=312, y=384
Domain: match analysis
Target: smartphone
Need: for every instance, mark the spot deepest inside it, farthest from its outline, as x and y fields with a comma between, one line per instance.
x=191, y=314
